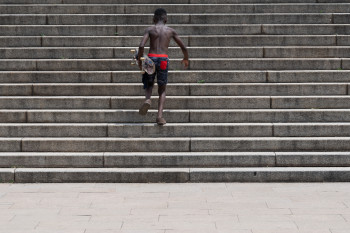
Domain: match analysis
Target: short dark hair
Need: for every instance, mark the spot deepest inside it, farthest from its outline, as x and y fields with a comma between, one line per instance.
x=160, y=14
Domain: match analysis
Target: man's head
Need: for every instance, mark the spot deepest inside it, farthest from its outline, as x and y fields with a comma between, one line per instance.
x=160, y=15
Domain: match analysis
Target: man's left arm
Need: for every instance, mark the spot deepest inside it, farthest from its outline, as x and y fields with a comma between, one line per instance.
x=142, y=47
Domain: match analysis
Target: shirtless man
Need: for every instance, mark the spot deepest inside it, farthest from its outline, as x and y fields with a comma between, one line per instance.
x=160, y=36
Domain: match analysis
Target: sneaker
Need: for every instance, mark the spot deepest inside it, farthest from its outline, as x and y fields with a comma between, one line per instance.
x=160, y=121
x=144, y=108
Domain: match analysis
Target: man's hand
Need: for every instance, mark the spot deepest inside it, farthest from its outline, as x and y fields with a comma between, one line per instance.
x=185, y=62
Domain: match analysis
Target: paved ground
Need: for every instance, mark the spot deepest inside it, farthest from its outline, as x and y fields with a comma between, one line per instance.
x=175, y=208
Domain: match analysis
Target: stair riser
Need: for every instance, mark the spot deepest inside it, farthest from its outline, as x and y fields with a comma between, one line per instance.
x=105, y=53
x=173, y=19
x=135, y=77
x=178, y=77
x=110, y=145
x=54, y=131
x=175, y=102
x=86, y=160
x=305, y=29
x=215, y=52
x=248, y=29
x=136, y=30
x=159, y=1
x=103, y=117
x=134, y=160
x=166, y=2
x=272, y=176
x=109, y=177
x=25, y=175
x=146, y=9
x=133, y=41
x=327, y=159
x=289, y=144
x=99, y=160
x=175, y=145
x=195, y=103
x=57, y=30
x=310, y=103
x=198, y=64
x=173, y=90
x=267, y=116
x=184, y=116
x=55, y=103
x=177, y=131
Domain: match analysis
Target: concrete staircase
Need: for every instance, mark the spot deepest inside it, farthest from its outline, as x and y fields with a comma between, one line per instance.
x=265, y=99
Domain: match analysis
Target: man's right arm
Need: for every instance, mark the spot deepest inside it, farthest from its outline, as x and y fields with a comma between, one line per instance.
x=178, y=41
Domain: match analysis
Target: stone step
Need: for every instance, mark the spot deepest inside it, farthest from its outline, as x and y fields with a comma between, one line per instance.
x=246, y=29
x=146, y=159
x=225, y=130
x=174, y=52
x=173, y=175
x=236, y=102
x=183, y=29
x=172, y=159
x=49, y=30
x=176, y=116
x=152, y=130
x=175, y=64
x=137, y=130
x=174, y=144
x=164, y=1
x=173, y=8
x=208, y=76
x=194, y=89
x=170, y=130
x=176, y=102
x=113, y=19
x=195, y=41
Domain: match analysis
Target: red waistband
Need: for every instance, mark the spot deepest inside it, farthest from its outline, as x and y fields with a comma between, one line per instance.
x=157, y=55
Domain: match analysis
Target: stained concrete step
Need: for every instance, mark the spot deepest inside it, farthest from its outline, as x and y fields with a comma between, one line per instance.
x=221, y=130
x=182, y=29
x=176, y=89
x=246, y=29
x=175, y=64
x=216, y=76
x=112, y=19
x=234, y=102
x=173, y=8
x=175, y=144
x=175, y=116
x=149, y=130
x=176, y=102
x=172, y=159
x=195, y=41
x=174, y=52
x=50, y=30
x=174, y=175
x=147, y=159
x=162, y=1
x=204, y=77
x=124, y=52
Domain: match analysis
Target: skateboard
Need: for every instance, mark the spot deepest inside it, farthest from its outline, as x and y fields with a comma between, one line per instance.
x=147, y=64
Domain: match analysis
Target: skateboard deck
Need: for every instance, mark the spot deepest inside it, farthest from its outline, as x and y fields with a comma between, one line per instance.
x=147, y=64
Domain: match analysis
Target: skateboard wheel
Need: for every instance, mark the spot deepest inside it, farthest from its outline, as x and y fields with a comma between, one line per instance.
x=133, y=50
x=142, y=58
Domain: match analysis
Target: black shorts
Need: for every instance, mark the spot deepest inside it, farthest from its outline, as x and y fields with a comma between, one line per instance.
x=162, y=65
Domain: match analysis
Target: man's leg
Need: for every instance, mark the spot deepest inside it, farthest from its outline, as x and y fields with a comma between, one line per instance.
x=148, y=93
x=161, y=101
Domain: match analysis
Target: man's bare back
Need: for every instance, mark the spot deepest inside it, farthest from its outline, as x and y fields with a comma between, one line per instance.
x=160, y=36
